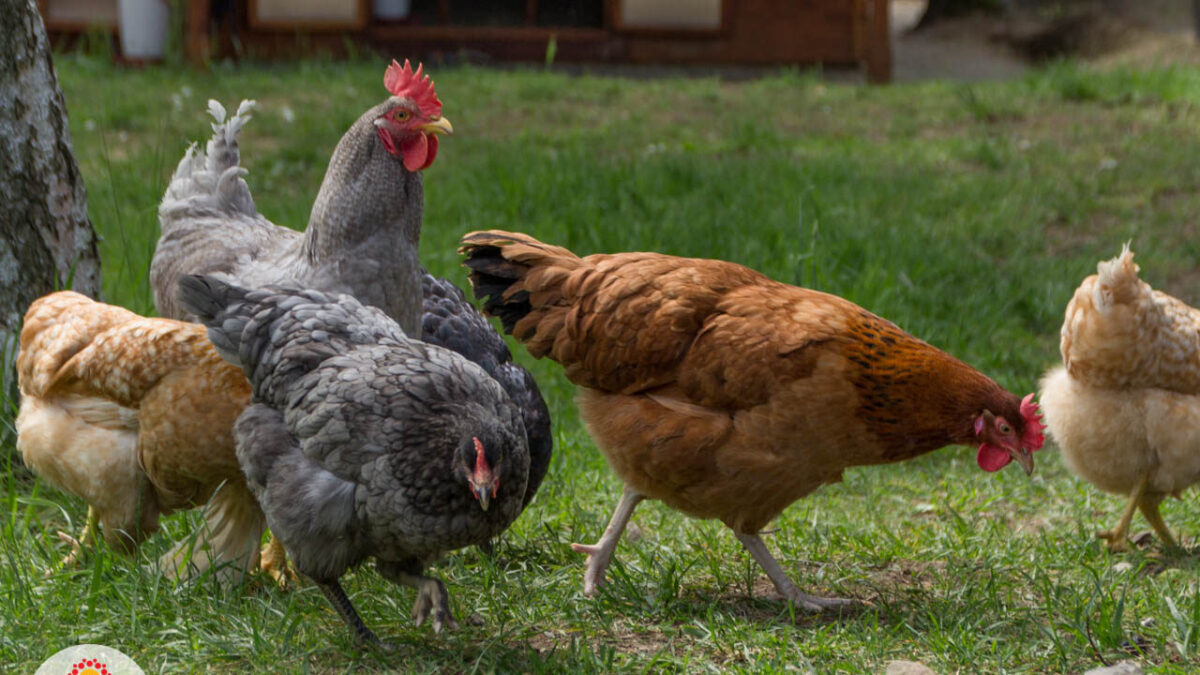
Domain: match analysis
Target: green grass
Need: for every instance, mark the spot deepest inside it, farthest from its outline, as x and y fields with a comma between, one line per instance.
x=966, y=213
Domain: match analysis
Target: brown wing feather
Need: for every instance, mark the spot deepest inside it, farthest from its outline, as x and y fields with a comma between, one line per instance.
x=57, y=327
x=182, y=395
x=620, y=323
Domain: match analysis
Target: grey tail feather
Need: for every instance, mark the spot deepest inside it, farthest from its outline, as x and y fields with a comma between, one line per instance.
x=211, y=179
x=222, y=148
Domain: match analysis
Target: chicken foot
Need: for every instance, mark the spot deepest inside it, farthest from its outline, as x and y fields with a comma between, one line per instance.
x=813, y=603
x=431, y=595
x=77, y=545
x=600, y=554
x=273, y=561
x=1117, y=539
x=1148, y=505
x=337, y=597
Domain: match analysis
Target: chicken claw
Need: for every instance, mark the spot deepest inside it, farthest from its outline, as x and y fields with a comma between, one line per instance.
x=432, y=595
x=85, y=539
x=76, y=550
x=600, y=554
x=273, y=561
x=812, y=603
x=1115, y=541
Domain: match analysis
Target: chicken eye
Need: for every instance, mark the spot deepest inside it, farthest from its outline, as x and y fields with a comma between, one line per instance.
x=401, y=115
x=1004, y=428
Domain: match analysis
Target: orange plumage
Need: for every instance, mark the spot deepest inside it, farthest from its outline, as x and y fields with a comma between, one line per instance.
x=1124, y=407
x=728, y=395
x=135, y=415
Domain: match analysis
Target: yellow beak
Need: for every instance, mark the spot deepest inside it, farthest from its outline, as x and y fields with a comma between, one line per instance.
x=440, y=125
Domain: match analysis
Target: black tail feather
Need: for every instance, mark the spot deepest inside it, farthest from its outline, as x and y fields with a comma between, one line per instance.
x=491, y=277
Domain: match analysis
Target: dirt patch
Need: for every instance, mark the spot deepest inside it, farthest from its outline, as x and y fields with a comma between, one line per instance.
x=640, y=641
x=901, y=577
x=986, y=47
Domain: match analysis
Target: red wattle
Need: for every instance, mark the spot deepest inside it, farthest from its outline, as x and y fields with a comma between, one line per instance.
x=413, y=150
x=992, y=458
x=433, y=146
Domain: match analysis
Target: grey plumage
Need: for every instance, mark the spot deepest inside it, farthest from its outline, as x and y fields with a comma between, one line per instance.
x=361, y=238
x=359, y=440
x=449, y=320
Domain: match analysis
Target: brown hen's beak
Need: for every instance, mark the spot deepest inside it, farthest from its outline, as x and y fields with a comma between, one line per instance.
x=439, y=126
x=1024, y=458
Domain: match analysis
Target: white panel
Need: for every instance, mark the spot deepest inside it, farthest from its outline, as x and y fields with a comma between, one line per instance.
x=693, y=14
x=340, y=11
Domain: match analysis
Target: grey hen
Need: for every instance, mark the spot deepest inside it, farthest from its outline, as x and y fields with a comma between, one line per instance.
x=449, y=320
x=364, y=227
x=362, y=442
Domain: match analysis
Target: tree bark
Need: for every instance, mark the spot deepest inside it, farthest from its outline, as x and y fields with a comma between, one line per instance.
x=46, y=240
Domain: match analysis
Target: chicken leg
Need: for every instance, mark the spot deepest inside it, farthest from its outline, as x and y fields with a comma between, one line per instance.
x=600, y=553
x=1117, y=539
x=1148, y=505
x=431, y=595
x=337, y=597
x=754, y=544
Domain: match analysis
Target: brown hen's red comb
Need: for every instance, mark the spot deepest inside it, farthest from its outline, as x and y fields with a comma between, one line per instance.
x=402, y=81
x=1033, y=436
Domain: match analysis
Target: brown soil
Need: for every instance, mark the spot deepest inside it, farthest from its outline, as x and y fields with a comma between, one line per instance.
x=1126, y=32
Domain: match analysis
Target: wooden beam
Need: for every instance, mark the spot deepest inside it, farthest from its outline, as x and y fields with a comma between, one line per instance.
x=878, y=44
x=196, y=28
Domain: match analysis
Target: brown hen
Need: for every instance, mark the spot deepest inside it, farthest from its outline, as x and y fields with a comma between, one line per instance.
x=727, y=395
x=135, y=416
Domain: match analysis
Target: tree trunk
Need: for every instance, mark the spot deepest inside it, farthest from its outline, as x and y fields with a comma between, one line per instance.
x=46, y=240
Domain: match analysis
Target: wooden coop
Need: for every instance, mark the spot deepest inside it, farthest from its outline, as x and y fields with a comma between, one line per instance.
x=842, y=33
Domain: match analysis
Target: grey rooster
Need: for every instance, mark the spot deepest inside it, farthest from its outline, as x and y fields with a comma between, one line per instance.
x=362, y=442
x=362, y=237
x=364, y=227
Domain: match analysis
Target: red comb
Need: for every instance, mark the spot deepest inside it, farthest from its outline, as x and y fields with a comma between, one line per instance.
x=481, y=465
x=402, y=81
x=1033, y=436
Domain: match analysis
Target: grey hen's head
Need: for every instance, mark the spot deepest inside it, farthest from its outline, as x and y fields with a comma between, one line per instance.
x=483, y=455
x=278, y=333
